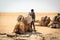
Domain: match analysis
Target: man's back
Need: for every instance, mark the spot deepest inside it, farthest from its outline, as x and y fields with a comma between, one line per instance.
x=32, y=14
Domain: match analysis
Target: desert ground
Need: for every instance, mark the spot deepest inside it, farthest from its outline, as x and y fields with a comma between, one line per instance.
x=8, y=21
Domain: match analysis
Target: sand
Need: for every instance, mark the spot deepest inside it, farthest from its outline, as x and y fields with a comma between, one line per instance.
x=9, y=20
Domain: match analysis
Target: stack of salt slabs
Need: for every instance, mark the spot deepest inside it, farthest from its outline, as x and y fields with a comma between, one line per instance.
x=35, y=37
x=31, y=36
x=52, y=36
x=4, y=36
x=12, y=36
x=22, y=37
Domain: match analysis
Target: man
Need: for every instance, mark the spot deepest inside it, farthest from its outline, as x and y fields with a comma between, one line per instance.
x=56, y=18
x=32, y=14
x=56, y=23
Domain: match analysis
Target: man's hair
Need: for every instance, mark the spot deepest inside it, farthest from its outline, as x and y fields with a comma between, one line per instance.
x=32, y=9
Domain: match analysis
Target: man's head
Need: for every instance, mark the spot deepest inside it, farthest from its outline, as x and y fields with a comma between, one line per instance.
x=32, y=10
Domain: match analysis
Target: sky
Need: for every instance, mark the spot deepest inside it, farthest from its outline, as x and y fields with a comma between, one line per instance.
x=27, y=5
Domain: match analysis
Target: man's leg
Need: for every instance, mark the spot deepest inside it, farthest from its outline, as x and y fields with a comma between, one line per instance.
x=33, y=25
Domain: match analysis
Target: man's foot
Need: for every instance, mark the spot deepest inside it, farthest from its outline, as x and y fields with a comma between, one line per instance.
x=34, y=30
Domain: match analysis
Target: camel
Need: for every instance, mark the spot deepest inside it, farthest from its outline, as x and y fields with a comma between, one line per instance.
x=23, y=25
